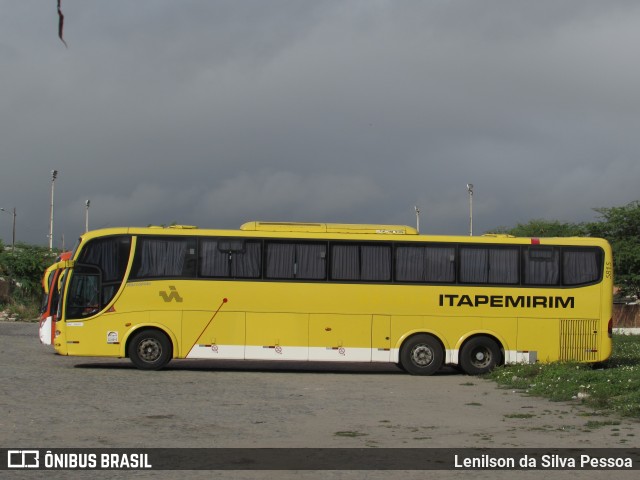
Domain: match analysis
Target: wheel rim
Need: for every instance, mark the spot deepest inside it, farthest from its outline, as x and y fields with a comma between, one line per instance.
x=481, y=357
x=422, y=355
x=149, y=350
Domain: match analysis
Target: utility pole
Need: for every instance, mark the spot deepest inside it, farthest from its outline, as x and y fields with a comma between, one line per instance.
x=470, y=190
x=86, y=215
x=54, y=175
x=13, y=237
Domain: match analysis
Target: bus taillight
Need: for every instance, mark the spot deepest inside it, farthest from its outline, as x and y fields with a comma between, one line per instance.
x=610, y=328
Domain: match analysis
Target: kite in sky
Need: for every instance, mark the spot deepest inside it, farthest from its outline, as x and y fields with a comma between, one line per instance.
x=61, y=24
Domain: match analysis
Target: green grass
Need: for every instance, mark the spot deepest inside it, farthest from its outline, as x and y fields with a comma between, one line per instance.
x=350, y=433
x=613, y=387
x=519, y=415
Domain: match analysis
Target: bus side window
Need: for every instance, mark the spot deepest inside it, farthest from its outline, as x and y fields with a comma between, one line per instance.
x=229, y=258
x=215, y=260
x=421, y=263
x=303, y=260
x=369, y=263
x=494, y=266
x=110, y=254
x=581, y=266
x=165, y=257
x=376, y=263
x=541, y=266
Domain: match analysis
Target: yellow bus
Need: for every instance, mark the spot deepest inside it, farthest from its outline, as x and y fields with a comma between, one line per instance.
x=50, y=290
x=335, y=292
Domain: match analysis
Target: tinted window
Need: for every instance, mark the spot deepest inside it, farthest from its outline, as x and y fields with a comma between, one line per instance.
x=305, y=261
x=110, y=255
x=234, y=258
x=415, y=263
x=368, y=263
x=83, y=299
x=165, y=257
x=489, y=265
x=541, y=266
x=581, y=266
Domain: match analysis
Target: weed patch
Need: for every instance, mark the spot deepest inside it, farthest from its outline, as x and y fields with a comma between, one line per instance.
x=613, y=387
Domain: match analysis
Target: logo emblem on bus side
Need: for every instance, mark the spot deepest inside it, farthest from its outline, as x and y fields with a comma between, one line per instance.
x=172, y=295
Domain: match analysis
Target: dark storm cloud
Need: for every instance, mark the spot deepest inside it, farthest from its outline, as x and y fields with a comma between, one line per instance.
x=219, y=112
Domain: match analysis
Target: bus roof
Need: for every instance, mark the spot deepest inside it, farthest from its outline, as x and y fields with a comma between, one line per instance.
x=337, y=230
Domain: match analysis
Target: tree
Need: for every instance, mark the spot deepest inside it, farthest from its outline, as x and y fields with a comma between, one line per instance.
x=621, y=227
x=24, y=267
x=544, y=228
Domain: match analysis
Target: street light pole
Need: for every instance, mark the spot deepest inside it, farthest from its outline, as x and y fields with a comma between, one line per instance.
x=470, y=190
x=54, y=174
x=86, y=215
x=13, y=237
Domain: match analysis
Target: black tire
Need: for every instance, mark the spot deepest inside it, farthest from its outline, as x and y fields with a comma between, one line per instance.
x=480, y=355
x=421, y=355
x=150, y=350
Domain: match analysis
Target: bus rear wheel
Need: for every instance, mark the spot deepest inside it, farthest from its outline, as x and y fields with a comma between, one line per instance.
x=480, y=355
x=150, y=350
x=421, y=355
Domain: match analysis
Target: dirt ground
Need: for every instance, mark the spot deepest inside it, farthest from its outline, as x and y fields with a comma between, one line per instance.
x=50, y=401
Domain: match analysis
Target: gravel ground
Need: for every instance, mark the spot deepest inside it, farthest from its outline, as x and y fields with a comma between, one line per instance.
x=50, y=401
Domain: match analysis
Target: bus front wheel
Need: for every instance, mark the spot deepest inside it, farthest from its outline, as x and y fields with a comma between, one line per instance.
x=150, y=350
x=421, y=355
x=480, y=355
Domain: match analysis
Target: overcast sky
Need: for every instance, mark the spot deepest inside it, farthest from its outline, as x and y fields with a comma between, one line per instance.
x=217, y=112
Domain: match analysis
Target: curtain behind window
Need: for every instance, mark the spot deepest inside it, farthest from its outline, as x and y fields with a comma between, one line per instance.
x=411, y=264
x=104, y=254
x=498, y=266
x=229, y=258
x=161, y=257
x=246, y=264
x=311, y=260
x=503, y=266
x=214, y=262
x=361, y=262
x=305, y=261
x=281, y=259
x=376, y=263
x=345, y=262
x=474, y=265
x=440, y=264
x=425, y=264
x=580, y=267
x=541, y=266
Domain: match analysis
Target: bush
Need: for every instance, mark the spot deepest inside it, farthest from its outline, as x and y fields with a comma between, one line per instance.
x=23, y=268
